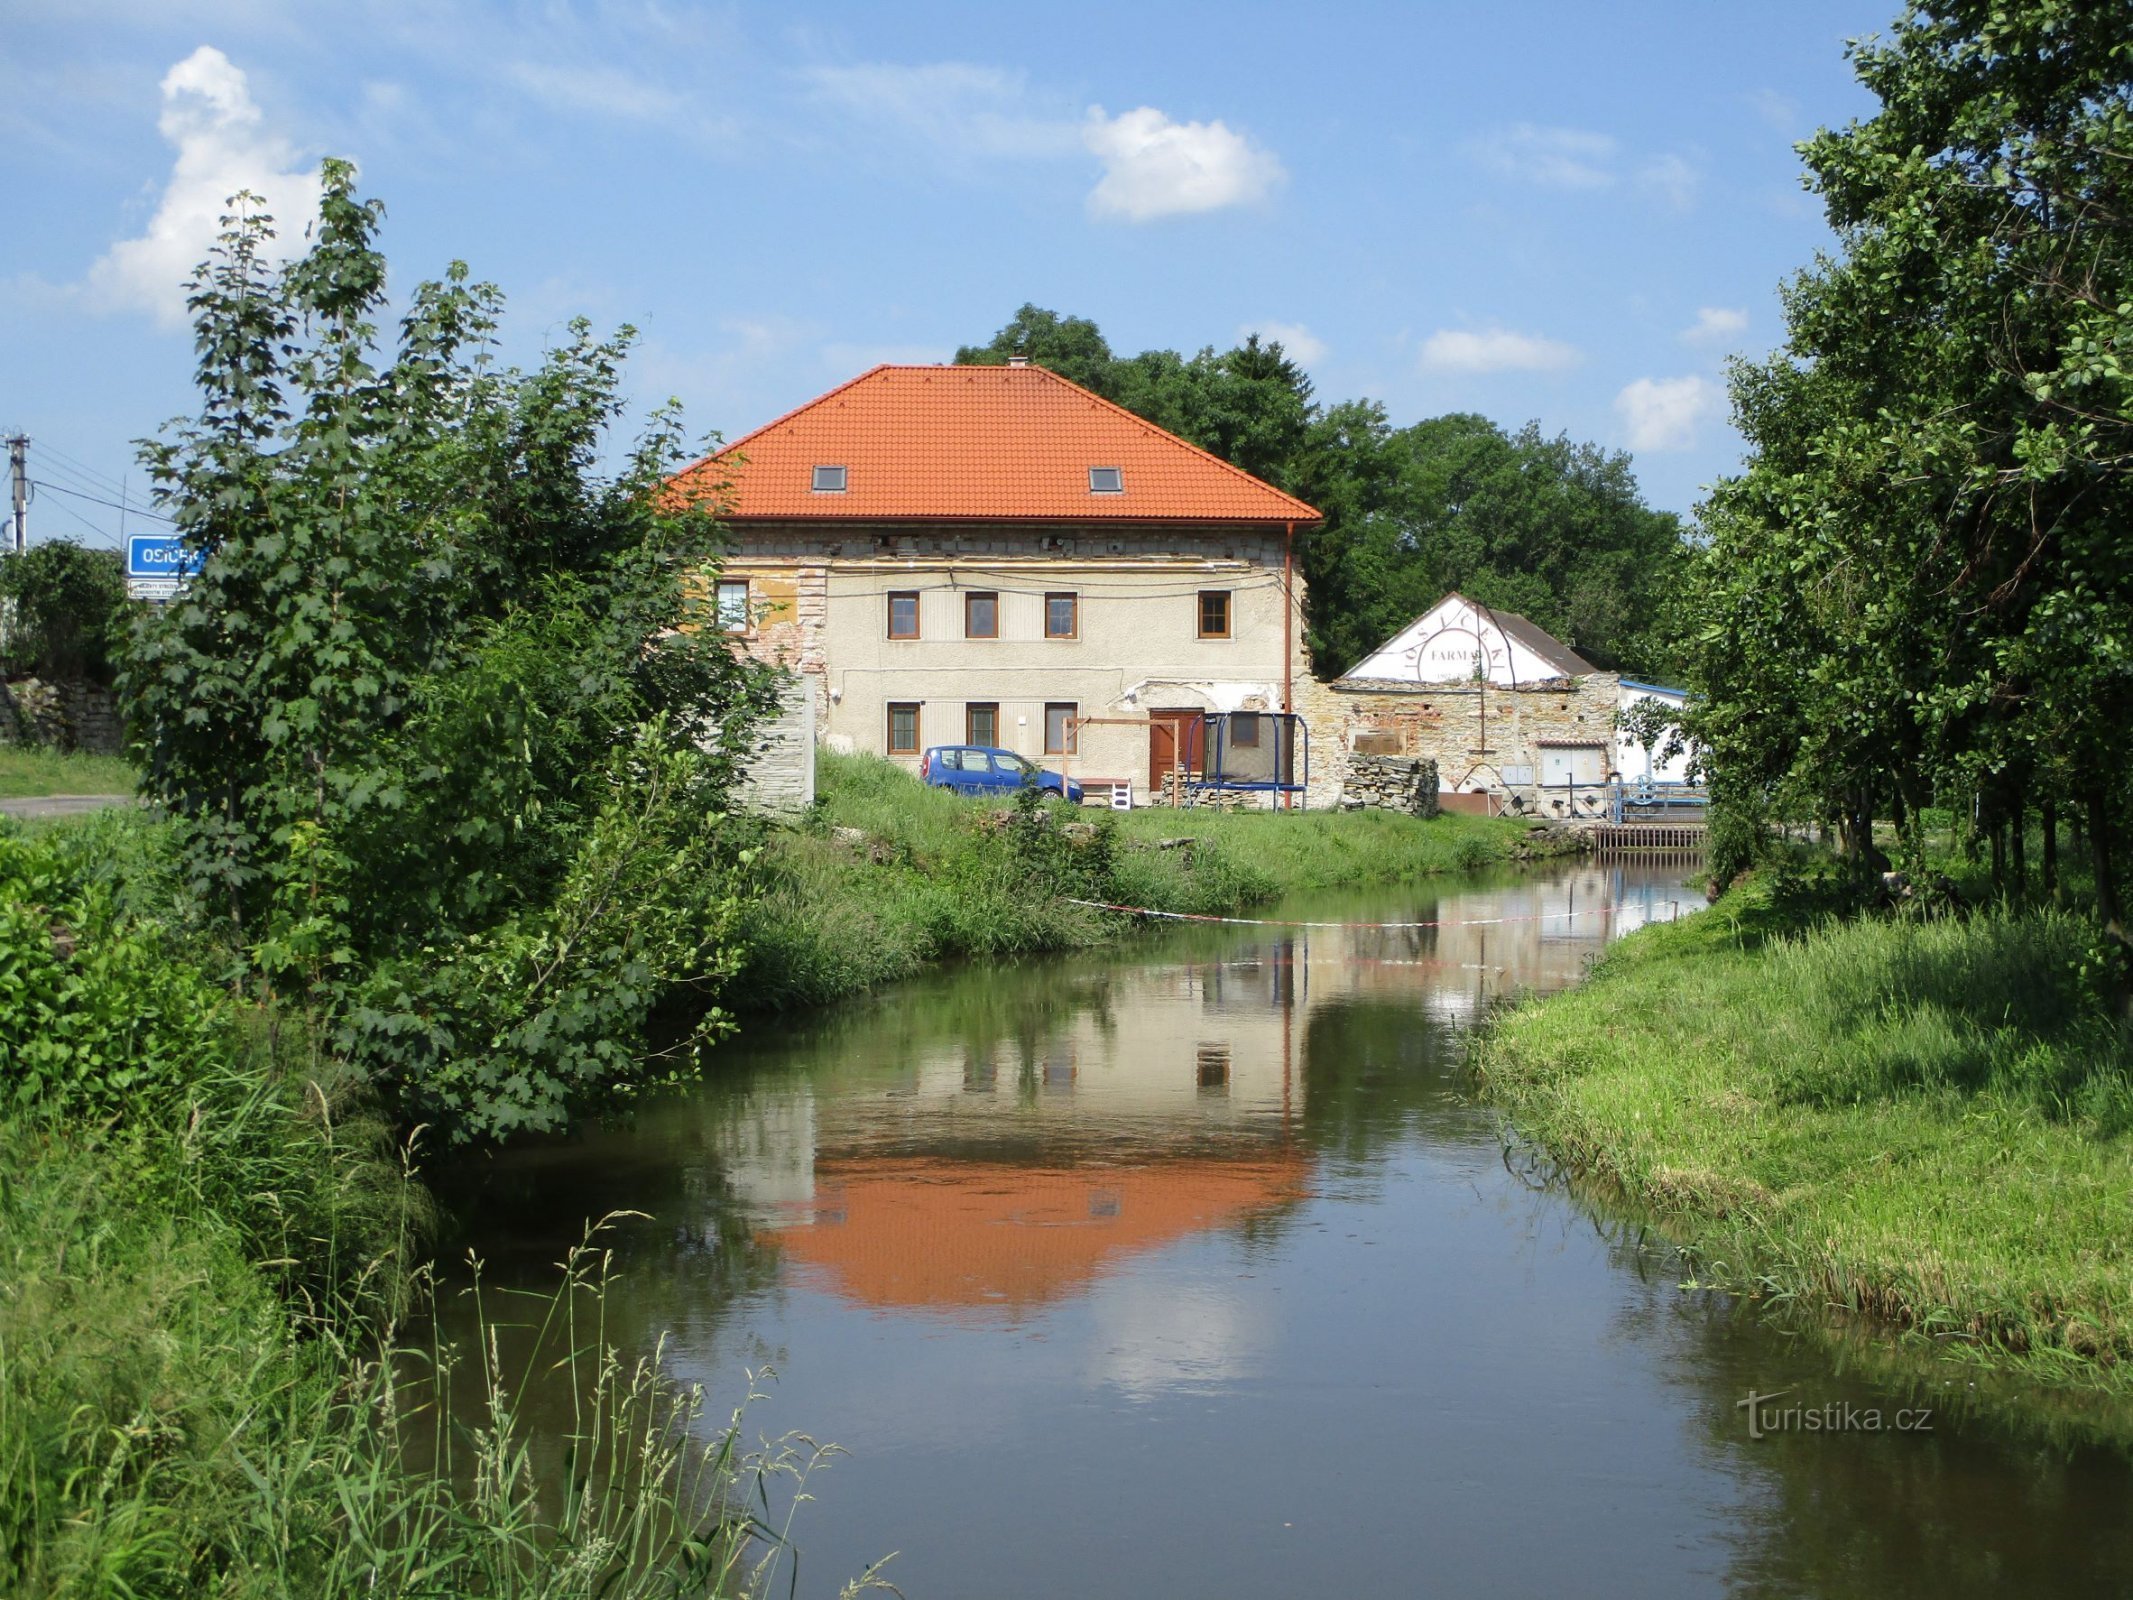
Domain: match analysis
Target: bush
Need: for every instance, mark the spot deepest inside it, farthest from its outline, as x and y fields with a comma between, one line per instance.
x=70, y=611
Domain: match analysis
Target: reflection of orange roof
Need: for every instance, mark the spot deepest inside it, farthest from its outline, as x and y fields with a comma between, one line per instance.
x=928, y=1231
x=978, y=443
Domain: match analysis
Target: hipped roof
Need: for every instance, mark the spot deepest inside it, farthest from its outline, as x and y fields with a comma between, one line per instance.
x=978, y=444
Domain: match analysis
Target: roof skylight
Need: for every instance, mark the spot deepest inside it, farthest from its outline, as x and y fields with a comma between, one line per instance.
x=829, y=480
x=1107, y=480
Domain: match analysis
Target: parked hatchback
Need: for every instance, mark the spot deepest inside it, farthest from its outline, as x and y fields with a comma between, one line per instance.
x=983, y=769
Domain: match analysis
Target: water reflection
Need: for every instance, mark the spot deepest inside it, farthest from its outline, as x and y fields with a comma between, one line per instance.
x=1192, y=1267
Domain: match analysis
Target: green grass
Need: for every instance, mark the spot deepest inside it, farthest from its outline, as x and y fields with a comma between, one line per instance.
x=1927, y=1124
x=889, y=876
x=27, y=770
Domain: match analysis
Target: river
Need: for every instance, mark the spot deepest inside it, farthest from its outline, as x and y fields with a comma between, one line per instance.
x=1192, y=1267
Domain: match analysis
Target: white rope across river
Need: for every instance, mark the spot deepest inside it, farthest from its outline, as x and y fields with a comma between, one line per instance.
x=1674, y=907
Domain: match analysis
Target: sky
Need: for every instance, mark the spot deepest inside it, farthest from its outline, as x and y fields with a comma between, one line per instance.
x=1565, y=213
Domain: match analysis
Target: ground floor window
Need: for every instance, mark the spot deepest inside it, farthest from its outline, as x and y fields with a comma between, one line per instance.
x=981, y=722
x=903, y=727
x=1244, y=729
x=1060, y=734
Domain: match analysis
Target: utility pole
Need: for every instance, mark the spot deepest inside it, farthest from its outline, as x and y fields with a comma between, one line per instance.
x=18, y=471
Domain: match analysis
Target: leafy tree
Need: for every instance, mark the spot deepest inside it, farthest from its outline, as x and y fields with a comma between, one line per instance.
x=69, y=608
x=441, y=722
x=1546, y=527
x=1924, y=580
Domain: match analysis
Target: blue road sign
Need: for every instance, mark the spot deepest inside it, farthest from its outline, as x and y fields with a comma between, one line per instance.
x=160, y=555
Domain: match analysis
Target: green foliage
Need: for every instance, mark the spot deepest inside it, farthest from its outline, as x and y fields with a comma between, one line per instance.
x=69, y=610
x=1554, y=530
x=1923, y=584
x=383, y=713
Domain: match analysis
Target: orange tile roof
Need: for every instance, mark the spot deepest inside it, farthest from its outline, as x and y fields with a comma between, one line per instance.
x=977, y=444
x=954, y=1235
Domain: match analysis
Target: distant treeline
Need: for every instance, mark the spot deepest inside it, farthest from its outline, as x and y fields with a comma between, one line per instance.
x=1546, y=527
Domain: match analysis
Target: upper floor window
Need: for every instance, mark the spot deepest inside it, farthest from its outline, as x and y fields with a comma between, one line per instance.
x=1062, y=616
x=903, y=614
x=829, y=480
x=1214, y=613
x=733, y=604
x=981, y=616
x=1107, y=480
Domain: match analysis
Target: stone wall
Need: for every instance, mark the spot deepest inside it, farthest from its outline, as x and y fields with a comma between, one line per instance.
x=781, y=777
x=1391, y=783
x=1482, y=739
x=67, y=714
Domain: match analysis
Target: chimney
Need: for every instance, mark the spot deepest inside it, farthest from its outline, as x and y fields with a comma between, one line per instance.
x=1018, y=360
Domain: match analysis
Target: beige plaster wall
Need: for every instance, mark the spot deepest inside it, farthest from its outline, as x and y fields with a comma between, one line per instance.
x=821, y=603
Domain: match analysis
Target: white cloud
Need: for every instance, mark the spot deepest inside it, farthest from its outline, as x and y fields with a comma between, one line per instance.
x=209, y=115
x=1714, y=323
x=1555, y=158
x=1495, y=350
x=1154, y=167
x=1672, y=179
x=1664, y=413
x=1303, y=346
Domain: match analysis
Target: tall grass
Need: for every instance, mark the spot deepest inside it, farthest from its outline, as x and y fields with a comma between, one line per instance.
x=168, y=1425
x=1928, y=1124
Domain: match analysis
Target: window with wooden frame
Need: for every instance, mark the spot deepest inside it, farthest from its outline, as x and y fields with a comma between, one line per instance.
x=1214, y=613
x=981, y=723
x=903, y=727
x=1062, y=616
x=733, y=614
x=1061, y=736
x=903, y=614
x=981, y=615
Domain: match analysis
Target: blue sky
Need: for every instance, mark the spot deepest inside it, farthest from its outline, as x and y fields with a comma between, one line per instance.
x=1564, y=212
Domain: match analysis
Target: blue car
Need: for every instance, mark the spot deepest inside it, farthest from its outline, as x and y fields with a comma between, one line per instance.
x=984, y=769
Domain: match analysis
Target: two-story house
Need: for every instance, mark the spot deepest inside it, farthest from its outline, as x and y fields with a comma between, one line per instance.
x=996, y=556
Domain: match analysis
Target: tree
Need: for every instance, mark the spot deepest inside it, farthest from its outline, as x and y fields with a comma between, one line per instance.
x=69, y=608
x=435, y=721
x=1924, y=580
x=1546, y=527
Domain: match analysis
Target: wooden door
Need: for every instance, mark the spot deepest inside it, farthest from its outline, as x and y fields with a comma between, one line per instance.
x=1175, y=737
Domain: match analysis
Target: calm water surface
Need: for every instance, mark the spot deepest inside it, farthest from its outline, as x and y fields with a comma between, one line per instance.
x=1192, y=1269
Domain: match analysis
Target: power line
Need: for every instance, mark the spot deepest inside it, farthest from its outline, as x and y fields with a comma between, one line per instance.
x=83, y=484
x=101, y=533
x=60, y=488
x=84, y=470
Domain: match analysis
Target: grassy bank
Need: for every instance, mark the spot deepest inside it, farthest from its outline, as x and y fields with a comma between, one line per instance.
x=206, y=1242
x=887, y=876
x=28, y=769
x=1924, y=1123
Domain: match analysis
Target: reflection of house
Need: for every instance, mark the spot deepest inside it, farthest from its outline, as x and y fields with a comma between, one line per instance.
x=988, y=555
x=1505, y=710
x=1004, y=1168
x=952, y=1234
